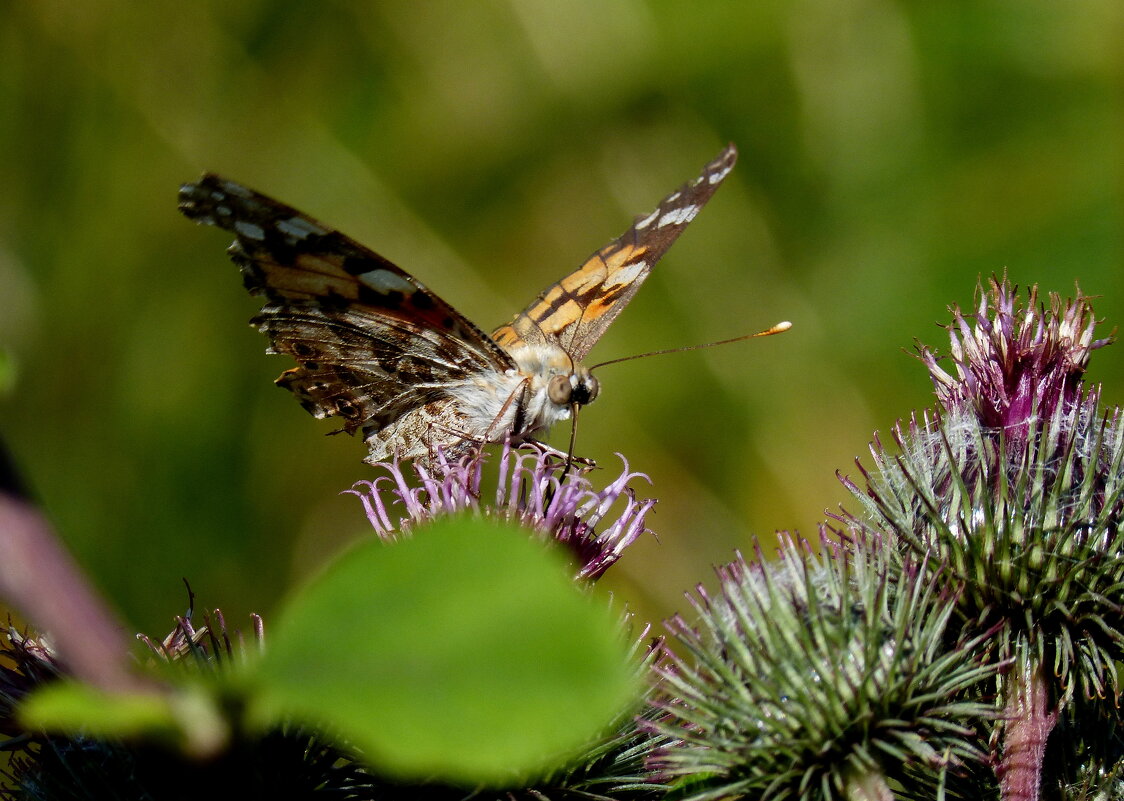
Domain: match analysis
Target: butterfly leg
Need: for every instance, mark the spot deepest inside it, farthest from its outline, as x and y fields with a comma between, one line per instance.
x=550, y=450
x=465, y=445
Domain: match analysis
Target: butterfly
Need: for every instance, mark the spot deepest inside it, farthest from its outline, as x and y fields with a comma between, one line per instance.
x=377, y=349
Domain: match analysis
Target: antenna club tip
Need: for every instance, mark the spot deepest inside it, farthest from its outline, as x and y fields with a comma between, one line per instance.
x=779, y=328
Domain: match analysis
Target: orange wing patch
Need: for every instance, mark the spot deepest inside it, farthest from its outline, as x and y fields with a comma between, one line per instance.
x=577, y=310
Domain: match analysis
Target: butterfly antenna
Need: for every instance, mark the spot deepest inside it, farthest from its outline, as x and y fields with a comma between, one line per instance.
x=779, y=328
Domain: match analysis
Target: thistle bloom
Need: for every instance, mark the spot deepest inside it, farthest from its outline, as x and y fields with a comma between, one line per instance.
x=1014, y=491
x=1014, y=363
x=533, y=488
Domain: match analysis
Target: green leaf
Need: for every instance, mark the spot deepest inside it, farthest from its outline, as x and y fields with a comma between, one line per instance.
x=465, y=653
x=187, y=715
x=68, y=706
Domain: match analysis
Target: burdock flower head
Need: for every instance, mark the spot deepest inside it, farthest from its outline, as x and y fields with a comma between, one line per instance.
x=818, y=677
x=533, y=488
x=1013, y=491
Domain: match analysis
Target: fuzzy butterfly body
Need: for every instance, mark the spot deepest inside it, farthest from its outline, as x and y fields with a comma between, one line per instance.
x=377, y=349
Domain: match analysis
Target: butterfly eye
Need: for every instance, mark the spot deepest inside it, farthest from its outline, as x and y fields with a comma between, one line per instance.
x=587, y=389
x=558, y=389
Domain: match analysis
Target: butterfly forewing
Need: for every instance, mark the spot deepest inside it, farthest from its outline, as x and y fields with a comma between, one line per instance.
x=575, y=312
x=370, y=341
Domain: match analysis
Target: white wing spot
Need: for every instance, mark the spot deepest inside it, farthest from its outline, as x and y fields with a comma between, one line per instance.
x=236, y=189
x=626, y=275
x=299, y=227
x=679, y=216
x=249, y=230
x=715, y=177
x=385, y=282
x=648, y=220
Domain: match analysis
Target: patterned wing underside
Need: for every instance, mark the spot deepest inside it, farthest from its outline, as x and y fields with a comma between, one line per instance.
x=419, y=432
x=575, y=312
x=371, y=342
x=364, y=375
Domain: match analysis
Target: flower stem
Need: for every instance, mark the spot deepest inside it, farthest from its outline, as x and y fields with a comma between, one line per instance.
x=1029, y=720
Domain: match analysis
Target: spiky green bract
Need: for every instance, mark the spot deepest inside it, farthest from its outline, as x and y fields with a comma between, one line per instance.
x=1086, y=759
x=1026, y=514
x=1033, y=534
x=288, y=763
x=1096, y=784
x=818, y=677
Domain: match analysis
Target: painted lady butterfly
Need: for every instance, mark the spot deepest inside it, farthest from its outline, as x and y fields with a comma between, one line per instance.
x=378, y=349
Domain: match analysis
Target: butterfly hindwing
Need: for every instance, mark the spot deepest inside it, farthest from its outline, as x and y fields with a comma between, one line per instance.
x=577, y=310
x=370, y=341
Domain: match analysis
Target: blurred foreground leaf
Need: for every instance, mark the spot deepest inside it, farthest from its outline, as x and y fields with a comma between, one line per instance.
x=465, y=653
x=187, y=716
x=73, y=706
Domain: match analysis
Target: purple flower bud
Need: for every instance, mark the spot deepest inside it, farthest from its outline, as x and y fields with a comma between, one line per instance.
x=1015, y=363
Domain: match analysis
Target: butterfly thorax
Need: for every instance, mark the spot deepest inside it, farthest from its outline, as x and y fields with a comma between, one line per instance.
x=539, y=392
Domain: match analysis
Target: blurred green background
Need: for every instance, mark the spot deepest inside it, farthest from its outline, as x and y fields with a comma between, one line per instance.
x=891, y=153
